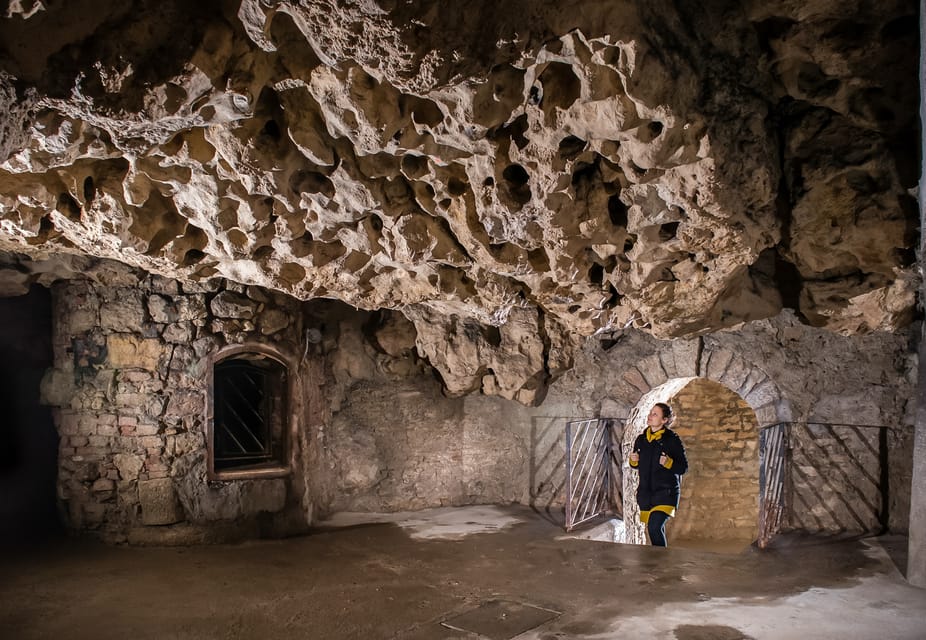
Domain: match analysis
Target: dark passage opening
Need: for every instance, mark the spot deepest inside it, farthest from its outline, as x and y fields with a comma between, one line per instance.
x=28, y=439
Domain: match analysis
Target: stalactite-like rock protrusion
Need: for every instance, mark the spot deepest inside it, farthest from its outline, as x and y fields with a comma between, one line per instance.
x=479, y=165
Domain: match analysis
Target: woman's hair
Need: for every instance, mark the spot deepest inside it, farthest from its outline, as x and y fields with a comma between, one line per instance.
x=666, y=411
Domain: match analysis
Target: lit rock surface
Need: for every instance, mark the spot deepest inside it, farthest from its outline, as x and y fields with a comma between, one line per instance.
x=510, y=176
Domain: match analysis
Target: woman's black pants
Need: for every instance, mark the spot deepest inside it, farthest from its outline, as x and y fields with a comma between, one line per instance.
x=656, y=526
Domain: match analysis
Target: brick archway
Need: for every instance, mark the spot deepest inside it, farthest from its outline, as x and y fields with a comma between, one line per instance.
x=659, y=377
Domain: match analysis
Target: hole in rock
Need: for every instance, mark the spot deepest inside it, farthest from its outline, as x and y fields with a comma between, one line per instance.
x=292, y=273
x=271, y=129
x=655, y=128
x=192, y=256
x=585, y=172
x=262, y=253
x=617, y=211
x=516, y=175
x=668, y=231
x=812, y=81
x=492, y=335
x=514, y=132
x=519, y=189
x=534, y=95
x=68, y=206
x=849, y=31
x=614, y=299
x=89, y=189
x=423, y=111
x=538, y=259
x=414, y=166
x=571, y=146
x=905, y=257
x=561, y=87
x=456, y=187
x=311, y=182
x=596, y=274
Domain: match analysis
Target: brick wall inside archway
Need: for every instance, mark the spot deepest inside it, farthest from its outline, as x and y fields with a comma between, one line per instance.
x=720, y=491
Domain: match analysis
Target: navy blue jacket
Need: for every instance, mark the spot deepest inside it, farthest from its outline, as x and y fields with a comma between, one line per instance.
x=658, y=485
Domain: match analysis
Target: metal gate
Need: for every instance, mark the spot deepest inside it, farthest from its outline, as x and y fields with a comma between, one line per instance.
x=773, y=465
x=590, y=471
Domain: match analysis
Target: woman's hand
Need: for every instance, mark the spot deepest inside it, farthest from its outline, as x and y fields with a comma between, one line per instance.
x=664, y=459
x=635, y=457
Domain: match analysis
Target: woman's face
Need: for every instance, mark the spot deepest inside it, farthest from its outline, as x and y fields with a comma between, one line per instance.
x=655, y=419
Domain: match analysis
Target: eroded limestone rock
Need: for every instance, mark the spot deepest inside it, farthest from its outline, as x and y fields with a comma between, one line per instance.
x=579, y=168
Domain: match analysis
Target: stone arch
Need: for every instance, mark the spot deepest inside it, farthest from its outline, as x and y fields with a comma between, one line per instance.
x=658, y=377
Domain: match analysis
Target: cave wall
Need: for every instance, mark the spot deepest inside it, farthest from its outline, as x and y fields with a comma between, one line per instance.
x=446, y=451
x=377, y=430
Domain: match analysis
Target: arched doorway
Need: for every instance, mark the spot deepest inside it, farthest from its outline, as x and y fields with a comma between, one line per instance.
x=720, y=493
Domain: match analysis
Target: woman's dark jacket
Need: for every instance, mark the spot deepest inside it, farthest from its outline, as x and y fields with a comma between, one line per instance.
x=659, y=485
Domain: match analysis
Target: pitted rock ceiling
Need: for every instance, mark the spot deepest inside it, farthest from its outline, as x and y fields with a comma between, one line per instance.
x=508, y=175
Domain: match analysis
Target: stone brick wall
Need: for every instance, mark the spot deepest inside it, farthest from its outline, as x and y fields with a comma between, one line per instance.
x=377, y=433
x=721, y=489
x=128, y=390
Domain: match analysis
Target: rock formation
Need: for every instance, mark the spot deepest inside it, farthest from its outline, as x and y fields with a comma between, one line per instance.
x=509, y=176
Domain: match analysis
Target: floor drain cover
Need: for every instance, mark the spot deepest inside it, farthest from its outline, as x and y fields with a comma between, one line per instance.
x=500, y=619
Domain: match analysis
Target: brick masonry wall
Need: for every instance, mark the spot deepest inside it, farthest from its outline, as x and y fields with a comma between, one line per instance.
x=720, y=492
x=128, y=392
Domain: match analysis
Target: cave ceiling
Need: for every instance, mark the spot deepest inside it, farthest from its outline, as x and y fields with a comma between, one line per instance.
x=563, y=168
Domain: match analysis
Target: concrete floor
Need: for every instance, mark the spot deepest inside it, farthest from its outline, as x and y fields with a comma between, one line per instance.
x=495, y=571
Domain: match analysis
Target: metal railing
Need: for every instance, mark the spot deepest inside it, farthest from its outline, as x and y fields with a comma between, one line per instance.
x=592, y=482
x=826, y=478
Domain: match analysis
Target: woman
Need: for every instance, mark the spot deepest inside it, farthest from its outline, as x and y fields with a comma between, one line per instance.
x=659, y=456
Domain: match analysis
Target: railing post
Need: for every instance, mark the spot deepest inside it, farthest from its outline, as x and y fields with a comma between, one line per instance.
x=568, y=476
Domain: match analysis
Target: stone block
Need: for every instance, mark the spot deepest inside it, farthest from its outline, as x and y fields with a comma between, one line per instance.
x=232, y=305
x=161, y=309
x=651, y=370
x=100, y=441
x=102, y=485
x=767, y=414
x=736, y=373
x=57, y=388
x=717, y=363
x=686, y=357
x=273, y=321
x=159, y=503
x=128, y=465
x=764, y=393
x=127, y=351
x=635, y=378
x=179, y=333
x=125, y=312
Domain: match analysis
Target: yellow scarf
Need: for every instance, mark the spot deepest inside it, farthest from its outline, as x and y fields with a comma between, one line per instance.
x=650, y=436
